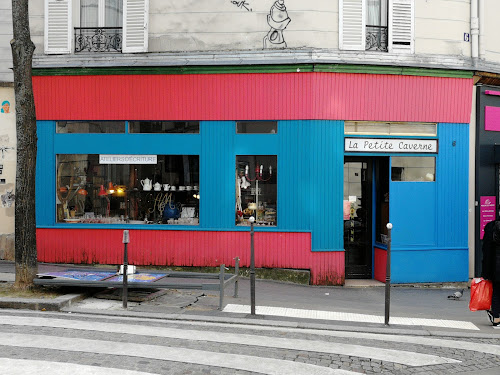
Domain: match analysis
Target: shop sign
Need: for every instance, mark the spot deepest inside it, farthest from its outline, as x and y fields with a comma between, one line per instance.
x=389, y=145
x=487, y=212
x=127, y=159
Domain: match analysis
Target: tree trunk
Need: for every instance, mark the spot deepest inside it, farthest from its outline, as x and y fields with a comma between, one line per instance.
x=25, y=222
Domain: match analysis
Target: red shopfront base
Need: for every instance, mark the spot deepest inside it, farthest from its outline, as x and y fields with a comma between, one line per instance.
x=191, y=248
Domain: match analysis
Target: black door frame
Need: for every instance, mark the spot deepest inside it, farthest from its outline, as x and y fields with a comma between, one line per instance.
x=352, y=270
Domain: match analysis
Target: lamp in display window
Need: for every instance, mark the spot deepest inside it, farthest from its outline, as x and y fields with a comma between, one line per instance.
x=82, y=192
x=120, y=190
x=102, y=191
x=259, y=176
x=111, y=188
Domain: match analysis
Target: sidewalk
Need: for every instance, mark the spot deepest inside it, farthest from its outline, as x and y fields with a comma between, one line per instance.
x=423, y=311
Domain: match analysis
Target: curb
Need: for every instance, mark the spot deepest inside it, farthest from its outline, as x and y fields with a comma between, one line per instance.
x=56, y=304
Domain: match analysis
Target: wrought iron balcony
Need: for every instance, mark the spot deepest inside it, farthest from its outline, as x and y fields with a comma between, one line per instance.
x=376, y=38
x=98, y=39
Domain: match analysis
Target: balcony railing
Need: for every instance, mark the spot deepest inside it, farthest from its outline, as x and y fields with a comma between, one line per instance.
x=98, y=39
x=376, y=38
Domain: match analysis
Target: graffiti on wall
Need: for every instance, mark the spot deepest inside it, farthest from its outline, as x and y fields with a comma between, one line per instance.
x=8, y=199
x=5, y=107
x=278, y=20
x=242, y=5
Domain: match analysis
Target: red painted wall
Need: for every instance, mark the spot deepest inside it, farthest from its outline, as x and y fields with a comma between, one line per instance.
x=380, y=265
x=256, y=96
x=190, y=248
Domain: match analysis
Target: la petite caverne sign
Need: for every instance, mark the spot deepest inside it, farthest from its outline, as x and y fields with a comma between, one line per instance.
x=391, y=145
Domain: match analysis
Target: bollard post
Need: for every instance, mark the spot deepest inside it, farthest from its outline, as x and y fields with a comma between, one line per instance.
x=388, y=275
x=236, y=272
x=126, y=240
x=221, y=286
x=252, y=268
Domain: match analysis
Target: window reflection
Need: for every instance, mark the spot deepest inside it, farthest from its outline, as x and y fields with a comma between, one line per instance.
x=164, y=192
x=256, y=189
x=413, y=168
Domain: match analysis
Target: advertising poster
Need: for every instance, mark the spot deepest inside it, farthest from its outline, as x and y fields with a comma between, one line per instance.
x=486, y=212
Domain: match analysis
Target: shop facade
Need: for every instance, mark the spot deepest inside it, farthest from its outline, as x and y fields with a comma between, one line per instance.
x=323, y=160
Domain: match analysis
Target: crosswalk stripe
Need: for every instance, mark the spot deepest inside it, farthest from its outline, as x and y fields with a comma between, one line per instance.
x=27, y=366
x=419, y=340
x=200, y=357
x=389, y=355
x=347, y=317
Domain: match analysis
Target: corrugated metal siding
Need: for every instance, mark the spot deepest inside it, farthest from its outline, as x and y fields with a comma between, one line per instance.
x=379, y=264
x=311, y=163
x=436, y=216
x=217, y=175
x=278, y=96
x=431, y=219
x=190, y=248
x=45, y=174
x=452, y=173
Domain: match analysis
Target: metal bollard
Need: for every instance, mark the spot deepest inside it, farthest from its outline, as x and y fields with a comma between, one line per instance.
x=221, y=286
x=126, y=240
x=388, y=275
x=252, y=268
x=236, y=272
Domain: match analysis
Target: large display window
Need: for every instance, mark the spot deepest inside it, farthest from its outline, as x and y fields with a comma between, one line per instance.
x=256, y=189
x=134, y=189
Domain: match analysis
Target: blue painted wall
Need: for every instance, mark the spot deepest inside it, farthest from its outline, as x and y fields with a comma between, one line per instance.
x=431, y=218
x=310, y=170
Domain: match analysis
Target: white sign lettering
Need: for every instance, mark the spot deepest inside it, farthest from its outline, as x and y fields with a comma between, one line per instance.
x=128, y=159
x=390, y=145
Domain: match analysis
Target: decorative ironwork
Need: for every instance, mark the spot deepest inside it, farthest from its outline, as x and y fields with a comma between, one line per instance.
x=98, y=39
x=376, y=38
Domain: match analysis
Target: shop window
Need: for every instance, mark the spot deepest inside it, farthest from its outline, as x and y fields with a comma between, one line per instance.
x=413, y=168
x=256, y=189
x=134, y=189
x=90, y=127
x=256, y=127
x=164, y=126
x=390, y=128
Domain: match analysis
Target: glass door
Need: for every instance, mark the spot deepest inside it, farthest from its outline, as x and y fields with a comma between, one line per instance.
x=358, y=217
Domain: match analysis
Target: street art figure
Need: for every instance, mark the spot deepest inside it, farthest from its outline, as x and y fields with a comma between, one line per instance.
x=278, y=20
x=7, y=199
x=5, y=106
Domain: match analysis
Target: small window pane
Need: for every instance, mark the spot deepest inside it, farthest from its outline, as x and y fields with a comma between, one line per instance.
x=163, y=193
x=256, y=189
x=257, y=127
x=90, y=127
x=390, y=128
x=413, y=168
x=113, y=13
x=164, y=126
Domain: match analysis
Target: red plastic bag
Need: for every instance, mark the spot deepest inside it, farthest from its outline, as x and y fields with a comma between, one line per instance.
x=481, y=291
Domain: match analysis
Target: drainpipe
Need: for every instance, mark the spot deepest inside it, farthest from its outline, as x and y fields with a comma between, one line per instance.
x=481, y=30
x=474, y=31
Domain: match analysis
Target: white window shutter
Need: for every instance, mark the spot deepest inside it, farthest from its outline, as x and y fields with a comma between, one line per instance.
x=57, y=26
x=135, y=25
x=401, y=26
x=352, y=25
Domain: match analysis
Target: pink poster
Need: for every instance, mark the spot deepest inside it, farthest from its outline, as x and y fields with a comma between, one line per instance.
x=487, y=211
x=347, y=210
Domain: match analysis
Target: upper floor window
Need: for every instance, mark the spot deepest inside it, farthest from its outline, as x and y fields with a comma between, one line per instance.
x=376, y=25
x=381, y=25
x=104, y=26
x=101, y=13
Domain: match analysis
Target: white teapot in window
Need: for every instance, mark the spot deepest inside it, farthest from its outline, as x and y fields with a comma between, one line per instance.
x=146, y=184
